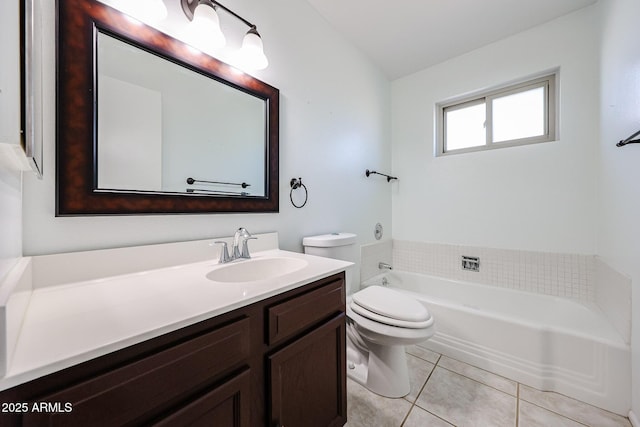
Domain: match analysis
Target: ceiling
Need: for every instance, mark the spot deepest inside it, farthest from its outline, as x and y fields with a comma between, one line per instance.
x=406, y=36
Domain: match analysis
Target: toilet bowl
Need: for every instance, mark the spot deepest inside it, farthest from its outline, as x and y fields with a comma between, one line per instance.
x=380, y=323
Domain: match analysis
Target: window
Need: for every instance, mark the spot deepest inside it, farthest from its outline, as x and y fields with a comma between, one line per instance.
x=523, y=113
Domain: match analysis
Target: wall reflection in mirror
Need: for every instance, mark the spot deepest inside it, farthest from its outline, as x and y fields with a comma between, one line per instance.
x=160, y=124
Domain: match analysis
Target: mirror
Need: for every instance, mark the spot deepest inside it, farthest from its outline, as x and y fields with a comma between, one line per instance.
x=164, y=128
x=31, y=99
x=148, y=125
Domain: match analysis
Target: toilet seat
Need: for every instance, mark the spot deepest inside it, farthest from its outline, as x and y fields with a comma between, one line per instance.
x=389, y=320
x=390, y=307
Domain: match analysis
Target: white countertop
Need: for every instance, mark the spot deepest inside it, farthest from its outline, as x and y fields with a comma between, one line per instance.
x=68, y=324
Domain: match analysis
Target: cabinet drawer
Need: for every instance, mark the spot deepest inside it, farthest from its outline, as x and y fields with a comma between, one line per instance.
x=225, y=405
x=134, y=392
x=294, y=315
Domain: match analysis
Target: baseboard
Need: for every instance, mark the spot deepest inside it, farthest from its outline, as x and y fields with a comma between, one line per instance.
x=635, y=422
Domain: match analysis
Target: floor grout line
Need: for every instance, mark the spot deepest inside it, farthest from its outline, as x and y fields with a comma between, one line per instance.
x=413, y=405
x=480, y=369
x=420, y=391
x=479, y=382
x=558, y=413
x=517, y=404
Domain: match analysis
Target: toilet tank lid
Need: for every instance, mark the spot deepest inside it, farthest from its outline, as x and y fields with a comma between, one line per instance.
x=329, y=240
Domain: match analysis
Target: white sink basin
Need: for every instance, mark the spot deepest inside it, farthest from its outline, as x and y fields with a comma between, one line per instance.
x=256, y=269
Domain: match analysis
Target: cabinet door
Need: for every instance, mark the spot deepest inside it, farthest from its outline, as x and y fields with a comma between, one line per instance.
x=224, y=406
x=308, y=379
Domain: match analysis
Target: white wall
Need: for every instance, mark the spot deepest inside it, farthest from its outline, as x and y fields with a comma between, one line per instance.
x=10, y=216
x=334, y=124
x=538, y=197
x=619, y=230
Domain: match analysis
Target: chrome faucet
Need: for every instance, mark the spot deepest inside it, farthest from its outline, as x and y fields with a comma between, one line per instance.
x=240, y=247
x=384, y=266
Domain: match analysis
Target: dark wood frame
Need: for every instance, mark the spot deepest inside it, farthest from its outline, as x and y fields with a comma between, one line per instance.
x=78, y=22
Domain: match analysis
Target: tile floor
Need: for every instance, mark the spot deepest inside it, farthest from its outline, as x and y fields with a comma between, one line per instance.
x=446, y=392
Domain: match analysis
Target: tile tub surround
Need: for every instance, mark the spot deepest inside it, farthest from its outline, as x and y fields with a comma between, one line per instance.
x=613, y=296
x=584, y=278
x=564, y=275
x=446, y=392
x=371, y=255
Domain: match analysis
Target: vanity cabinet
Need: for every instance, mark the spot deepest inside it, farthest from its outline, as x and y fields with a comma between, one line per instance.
x=280, y=361
x=306, y=375
x=306, y=379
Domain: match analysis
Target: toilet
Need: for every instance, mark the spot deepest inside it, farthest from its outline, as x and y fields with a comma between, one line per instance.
x=380, y=323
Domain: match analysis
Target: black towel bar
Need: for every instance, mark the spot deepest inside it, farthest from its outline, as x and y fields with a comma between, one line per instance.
x=629, y=140
x=192, y=181
x=389, y=178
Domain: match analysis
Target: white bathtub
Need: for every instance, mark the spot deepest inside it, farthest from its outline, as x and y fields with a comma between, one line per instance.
x=546, y=342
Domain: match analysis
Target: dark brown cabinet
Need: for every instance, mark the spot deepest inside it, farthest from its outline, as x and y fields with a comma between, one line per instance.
x=225, y=405
x=280, y=361
x=306, y=379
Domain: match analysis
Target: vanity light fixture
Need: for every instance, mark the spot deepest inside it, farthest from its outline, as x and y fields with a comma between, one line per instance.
x=204, y=29
x=205, y=33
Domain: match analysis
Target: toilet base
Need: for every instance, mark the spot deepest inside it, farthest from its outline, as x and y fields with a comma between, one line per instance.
x=383, y=370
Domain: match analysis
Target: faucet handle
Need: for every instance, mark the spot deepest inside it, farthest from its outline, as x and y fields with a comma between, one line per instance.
x=224, y=252
x=245, y=247
x=240, y=235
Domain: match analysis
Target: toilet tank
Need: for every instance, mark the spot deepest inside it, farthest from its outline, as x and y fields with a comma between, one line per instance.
x=333, y=245
x=338, y=246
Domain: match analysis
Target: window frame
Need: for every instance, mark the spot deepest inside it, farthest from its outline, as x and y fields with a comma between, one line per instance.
x=548, y=81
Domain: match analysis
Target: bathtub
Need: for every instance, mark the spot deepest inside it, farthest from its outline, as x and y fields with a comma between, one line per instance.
x=546, y=342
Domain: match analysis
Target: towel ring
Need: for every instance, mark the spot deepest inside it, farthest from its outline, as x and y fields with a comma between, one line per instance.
x=295, y=184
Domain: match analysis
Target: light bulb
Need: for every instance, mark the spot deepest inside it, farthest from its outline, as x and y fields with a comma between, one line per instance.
x=251, y=55
x=204, y=30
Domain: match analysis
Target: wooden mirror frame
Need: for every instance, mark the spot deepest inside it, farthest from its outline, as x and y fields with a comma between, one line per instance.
x=78, y=22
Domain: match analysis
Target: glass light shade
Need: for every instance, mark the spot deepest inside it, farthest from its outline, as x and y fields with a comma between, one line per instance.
x=251, y=53
x=204, y=30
